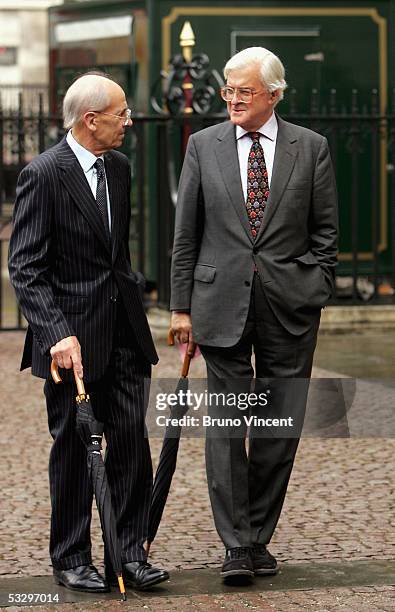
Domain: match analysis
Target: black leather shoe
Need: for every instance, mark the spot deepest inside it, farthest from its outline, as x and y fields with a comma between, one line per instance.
x=237, y=563
x=82, y=578
x=263, y=562
x=139, y=575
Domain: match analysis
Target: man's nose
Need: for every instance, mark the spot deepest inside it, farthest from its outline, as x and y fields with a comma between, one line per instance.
x=235, y=96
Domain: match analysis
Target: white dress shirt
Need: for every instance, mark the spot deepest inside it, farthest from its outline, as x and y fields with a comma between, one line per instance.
x=87, y=160
x=267, y=140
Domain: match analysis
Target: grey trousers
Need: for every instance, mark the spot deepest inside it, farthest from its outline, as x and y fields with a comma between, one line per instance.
x=247, y=489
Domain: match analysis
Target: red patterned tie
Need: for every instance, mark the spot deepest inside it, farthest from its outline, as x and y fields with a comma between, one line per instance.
x=257, y=184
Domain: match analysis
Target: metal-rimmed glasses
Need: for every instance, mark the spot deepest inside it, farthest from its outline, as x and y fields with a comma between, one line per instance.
x=126, y=115
x=244, y=94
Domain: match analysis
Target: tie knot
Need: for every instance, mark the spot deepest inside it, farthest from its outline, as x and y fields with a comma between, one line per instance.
x=254, y=136
x=99, y=165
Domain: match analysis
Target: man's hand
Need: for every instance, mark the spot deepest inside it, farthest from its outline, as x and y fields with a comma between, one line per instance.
x=181, y=326
x=67, y=354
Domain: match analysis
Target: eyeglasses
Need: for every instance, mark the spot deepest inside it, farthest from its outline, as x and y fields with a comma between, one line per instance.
x=126, y=115
x=244, y=94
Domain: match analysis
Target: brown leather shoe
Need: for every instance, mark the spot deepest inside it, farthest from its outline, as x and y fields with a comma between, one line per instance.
x=84, y=578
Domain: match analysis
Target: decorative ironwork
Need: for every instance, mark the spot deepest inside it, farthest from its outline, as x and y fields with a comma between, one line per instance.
x=189, y=86
x=169, y=94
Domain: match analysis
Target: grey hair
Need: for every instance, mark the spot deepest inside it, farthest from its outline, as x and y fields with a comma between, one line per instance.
x=88, y=92
x=272, y=72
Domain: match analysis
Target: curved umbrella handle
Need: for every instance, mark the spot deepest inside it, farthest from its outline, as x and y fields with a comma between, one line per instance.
x=187, y=359
x=186, y=364
x=170, y=337
x=57, y=378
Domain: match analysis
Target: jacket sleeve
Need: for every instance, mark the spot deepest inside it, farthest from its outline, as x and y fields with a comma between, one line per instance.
x=324, y=215
x=30, y=259
x=188, y=231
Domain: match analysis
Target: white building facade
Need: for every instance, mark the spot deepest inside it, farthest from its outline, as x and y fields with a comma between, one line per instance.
x=24, y=42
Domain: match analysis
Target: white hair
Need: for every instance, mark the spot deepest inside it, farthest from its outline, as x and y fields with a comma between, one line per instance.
x=88, y=92
x=272, y=72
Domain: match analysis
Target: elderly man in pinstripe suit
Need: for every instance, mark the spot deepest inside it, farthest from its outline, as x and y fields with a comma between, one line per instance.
x=70, y=266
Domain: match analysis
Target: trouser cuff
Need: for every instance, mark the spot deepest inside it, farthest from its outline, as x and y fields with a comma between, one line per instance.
x=71, y=562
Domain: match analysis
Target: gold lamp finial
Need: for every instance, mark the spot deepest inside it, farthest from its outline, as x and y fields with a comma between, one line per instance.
x=187, y=41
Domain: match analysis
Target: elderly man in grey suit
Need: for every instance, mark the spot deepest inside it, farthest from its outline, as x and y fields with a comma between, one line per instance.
x=254, y=255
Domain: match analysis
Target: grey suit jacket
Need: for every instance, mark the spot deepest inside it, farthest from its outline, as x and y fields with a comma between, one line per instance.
x=214, y=253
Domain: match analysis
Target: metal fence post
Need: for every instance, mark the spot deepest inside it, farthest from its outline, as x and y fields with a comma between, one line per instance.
x=375, y=135
x=392, y=187
x=354, y=149
x=2, y=184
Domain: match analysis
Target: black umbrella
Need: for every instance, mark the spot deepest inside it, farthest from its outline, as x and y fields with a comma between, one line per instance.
x=91, y=433
x=168, y=456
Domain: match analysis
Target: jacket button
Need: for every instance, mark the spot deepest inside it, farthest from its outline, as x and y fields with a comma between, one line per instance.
x=255, y=250
x=113, y=299
x=247, y=283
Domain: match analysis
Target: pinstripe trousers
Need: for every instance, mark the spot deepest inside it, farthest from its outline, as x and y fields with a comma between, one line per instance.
x=119, y=399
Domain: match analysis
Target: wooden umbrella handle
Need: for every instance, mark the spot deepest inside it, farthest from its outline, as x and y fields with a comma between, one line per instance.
x=170, y=337
x=187, y=358
x=57, y=378
x=55, y=373
x=186, y=363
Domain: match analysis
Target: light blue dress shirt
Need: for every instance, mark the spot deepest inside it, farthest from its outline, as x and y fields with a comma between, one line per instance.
x=268, y=140
x=86, y=160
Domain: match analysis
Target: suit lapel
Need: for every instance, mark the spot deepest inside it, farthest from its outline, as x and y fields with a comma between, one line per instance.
x=114, y=181
x=73, y=178
x=284, y=161
x=228, y=161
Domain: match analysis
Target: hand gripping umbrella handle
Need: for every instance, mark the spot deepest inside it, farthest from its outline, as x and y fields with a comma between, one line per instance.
x=187, y=358
x=57, y=378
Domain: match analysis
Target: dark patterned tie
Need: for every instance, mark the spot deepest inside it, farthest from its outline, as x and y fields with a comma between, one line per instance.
x=101, y=194
x=257, y=184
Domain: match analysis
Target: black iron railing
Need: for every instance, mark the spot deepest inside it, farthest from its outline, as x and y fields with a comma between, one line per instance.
x=361, y=140
x=11, y=96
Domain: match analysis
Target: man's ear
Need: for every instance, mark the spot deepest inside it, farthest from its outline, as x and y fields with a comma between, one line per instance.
x=273, y=96
x=90, y=120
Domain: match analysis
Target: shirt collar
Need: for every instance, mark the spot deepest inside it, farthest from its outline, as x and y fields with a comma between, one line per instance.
x=268, y=129
x=85, y=157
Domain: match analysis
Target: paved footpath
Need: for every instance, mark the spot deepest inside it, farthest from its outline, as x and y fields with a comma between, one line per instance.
x=335, y=540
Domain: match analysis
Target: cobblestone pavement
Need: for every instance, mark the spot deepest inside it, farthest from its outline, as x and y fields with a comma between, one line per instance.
x=355, y=599
x=338, y=506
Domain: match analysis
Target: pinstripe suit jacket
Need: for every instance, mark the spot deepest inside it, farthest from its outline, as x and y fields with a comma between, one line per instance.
x=66, y=274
